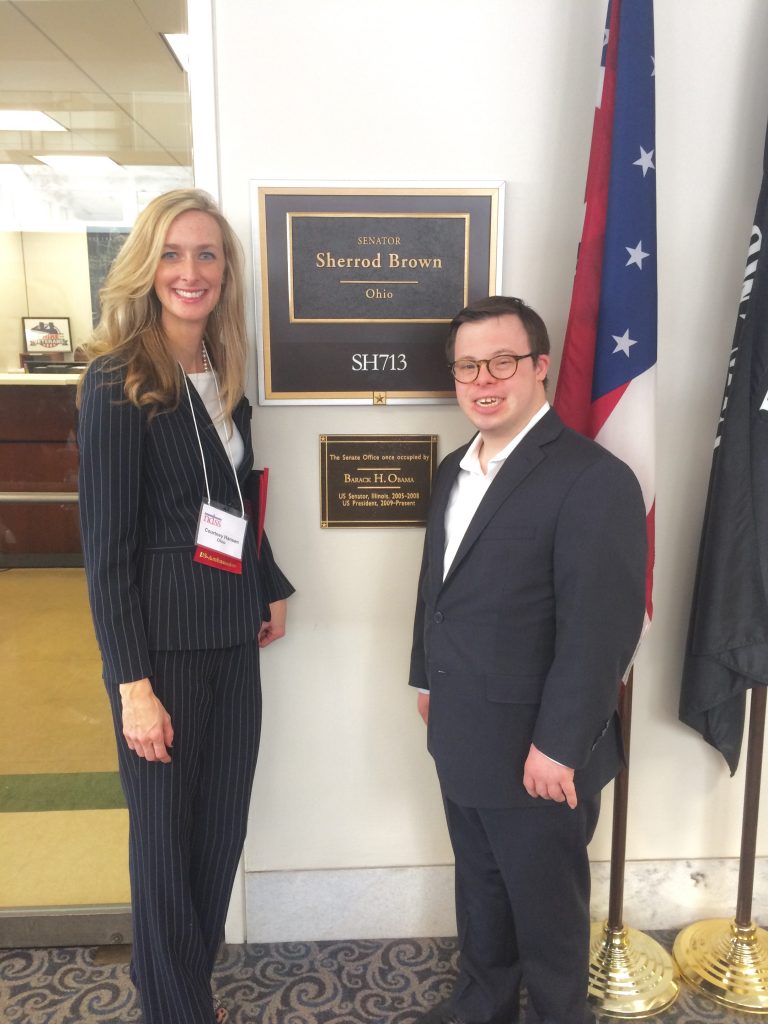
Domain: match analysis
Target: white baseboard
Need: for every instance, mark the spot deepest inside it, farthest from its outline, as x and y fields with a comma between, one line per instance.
x=674, y=893
x=234, y=928
x=414, y=902
x=354, y=903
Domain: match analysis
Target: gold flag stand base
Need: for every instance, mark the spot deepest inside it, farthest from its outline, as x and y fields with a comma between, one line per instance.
x=727, y=961
x=630, y=974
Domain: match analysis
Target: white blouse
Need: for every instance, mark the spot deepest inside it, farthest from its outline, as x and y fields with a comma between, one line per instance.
x=228, y=432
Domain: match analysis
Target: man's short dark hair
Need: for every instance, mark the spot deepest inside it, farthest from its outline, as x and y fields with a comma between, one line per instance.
x=501, y=305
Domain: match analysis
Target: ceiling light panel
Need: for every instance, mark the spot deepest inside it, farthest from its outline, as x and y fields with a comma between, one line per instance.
x=71, y=164
x=28, y=121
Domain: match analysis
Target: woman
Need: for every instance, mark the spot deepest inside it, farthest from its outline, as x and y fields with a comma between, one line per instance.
x=180, y=596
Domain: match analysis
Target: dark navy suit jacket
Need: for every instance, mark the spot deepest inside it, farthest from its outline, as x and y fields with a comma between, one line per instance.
x=141, y=485
x=528, y=636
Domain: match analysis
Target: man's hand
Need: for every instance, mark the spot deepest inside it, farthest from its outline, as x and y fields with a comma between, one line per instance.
x=275, y=628
x=543, y=777
x=146, y=724
x=422, y=703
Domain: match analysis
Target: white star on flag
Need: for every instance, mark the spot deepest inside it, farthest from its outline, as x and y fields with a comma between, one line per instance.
x=623, y=343
x=645, y=161
x=636, y=255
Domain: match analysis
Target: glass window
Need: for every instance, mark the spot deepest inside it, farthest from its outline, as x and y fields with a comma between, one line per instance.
x=93, y=79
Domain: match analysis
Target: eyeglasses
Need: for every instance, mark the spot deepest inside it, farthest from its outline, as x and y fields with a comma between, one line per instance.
x=502, y=367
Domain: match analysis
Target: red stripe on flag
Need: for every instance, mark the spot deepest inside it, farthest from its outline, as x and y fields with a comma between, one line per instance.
x=573, y=395
x=601, y=409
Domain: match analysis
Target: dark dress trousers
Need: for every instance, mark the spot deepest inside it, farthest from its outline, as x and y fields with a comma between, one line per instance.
x=192, y=630
x=525, y=641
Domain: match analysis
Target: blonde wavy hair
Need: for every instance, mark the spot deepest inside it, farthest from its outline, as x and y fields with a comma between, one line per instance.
x=130, y=327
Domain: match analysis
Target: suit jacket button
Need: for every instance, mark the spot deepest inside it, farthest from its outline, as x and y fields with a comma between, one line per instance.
x=438, y=617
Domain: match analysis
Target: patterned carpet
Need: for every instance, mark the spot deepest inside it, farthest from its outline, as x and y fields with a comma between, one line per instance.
x=372, y=982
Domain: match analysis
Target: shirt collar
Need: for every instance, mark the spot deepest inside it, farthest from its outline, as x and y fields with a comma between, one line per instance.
x=471, y=461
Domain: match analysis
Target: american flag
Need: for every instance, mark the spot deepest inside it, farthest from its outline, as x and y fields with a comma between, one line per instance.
x=607, y=383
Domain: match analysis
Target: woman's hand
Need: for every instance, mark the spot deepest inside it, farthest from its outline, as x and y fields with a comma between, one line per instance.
x=275, y=628
x=146, y=724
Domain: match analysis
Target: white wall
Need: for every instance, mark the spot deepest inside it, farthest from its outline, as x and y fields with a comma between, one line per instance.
x=493, y=89
x=45, y=274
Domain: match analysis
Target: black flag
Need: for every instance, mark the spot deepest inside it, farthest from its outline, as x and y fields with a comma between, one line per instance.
x=727, y=651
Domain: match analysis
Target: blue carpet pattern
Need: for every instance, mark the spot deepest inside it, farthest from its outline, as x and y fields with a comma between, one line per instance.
x=373, y=982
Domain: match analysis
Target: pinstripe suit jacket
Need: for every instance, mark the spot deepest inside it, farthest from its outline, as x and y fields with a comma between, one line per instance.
x=141, y=484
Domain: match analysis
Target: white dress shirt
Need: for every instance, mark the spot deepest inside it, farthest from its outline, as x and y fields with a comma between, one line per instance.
x=471, y=485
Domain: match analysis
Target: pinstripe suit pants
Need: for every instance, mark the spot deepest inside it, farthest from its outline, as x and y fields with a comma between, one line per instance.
x=187, y=824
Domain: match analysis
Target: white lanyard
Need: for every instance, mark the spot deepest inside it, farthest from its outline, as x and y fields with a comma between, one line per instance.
x=226, y=436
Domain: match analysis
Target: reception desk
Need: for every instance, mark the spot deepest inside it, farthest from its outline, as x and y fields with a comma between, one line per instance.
x=38, y=471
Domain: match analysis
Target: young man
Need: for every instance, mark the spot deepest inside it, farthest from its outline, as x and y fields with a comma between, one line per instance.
x=530, y=605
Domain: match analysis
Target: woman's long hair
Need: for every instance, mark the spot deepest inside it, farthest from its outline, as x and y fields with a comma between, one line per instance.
x=131, y=329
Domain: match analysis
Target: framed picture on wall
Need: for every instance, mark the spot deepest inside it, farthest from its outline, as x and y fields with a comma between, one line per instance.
x=43, y=334
x=357, y=282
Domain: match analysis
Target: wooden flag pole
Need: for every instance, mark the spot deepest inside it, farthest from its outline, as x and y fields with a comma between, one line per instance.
x=751, y=807
x=630, y=974
x=728, y=960
x=620, y=802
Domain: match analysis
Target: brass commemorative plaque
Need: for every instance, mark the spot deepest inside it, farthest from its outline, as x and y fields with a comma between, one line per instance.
x=376, y=480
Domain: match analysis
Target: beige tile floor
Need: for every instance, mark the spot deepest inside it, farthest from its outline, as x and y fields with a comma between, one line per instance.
x=55, y=721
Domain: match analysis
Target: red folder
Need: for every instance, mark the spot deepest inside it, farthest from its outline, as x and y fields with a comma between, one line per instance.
x=255, y=498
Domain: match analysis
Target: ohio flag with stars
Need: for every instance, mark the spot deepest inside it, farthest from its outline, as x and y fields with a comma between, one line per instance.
x=606, y=386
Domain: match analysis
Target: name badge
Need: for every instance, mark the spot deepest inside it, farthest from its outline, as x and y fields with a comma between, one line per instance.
x=220, y=538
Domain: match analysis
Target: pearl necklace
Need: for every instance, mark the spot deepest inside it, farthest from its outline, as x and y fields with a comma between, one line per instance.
x=206, y=362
